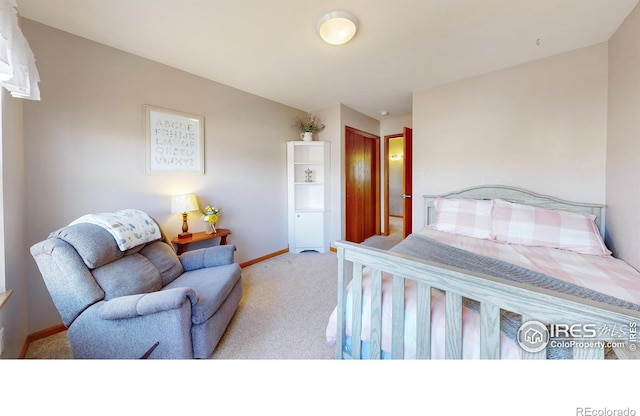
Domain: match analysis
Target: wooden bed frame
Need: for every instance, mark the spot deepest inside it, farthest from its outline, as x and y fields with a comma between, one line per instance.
x=493, y=294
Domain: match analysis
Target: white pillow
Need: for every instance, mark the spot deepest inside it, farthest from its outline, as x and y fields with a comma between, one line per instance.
x=464, y=216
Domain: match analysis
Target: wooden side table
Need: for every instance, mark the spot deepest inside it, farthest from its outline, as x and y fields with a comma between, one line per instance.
x=181, y=243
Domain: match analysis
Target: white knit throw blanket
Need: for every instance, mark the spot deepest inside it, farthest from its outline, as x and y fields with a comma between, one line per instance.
x=129, y=227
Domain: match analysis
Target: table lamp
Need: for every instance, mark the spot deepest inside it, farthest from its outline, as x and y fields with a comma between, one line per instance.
x=183, y=204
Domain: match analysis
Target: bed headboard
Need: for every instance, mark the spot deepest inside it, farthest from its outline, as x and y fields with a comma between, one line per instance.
x=520, y=196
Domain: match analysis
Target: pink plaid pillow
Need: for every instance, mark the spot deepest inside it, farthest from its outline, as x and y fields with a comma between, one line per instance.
x=533, y=226
x=470, y=217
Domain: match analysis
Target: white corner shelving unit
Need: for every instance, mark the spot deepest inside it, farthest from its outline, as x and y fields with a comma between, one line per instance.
x=308, y=195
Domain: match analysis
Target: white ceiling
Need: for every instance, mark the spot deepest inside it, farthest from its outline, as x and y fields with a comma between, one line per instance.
x=270, y=47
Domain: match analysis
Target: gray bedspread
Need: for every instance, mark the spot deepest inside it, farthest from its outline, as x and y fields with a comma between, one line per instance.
x=425, y=248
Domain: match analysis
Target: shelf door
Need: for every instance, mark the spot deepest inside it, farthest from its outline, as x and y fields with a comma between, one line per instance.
x=309, y=230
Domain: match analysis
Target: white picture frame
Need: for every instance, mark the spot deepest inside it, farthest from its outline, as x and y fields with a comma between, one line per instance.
x=174, y=142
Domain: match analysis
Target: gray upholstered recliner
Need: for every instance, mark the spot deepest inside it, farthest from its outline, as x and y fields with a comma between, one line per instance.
x=118, y=304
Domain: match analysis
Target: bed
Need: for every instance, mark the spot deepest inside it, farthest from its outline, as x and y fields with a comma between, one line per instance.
x=497, y=273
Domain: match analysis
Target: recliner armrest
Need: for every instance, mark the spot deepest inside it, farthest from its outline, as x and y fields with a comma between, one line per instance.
x=207, y=257
x=132, y=306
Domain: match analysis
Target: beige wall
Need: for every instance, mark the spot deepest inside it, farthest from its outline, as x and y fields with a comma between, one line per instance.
x=13, y=316
x=84, y=149
x=540, y=126
x=394, y=125
x=623, y=143
x=333, y=133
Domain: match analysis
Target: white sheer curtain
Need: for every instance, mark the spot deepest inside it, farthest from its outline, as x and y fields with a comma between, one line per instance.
x=18, y=72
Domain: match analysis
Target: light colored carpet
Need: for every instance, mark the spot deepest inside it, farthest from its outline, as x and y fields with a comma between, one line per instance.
x=386, y=242
x=284, y=312
x=51, y=348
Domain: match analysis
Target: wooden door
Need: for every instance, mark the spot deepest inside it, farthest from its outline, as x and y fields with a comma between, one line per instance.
x=362, y=182
x=408, y=184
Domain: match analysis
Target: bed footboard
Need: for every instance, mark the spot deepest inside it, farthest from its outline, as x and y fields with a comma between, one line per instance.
x=591, y=325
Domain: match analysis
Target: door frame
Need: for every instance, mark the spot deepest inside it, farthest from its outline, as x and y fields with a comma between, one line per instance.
x=407, y=218
x=385, y=156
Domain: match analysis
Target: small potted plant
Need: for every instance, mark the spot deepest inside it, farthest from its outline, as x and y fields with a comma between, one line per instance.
x=308, y=125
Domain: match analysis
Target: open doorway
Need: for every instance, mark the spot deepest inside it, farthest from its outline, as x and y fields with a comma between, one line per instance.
x=398, y=183
x=394, y=219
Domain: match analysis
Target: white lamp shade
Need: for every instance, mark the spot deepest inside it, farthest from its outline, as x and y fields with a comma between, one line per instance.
x=184, y=203
x=337, y=28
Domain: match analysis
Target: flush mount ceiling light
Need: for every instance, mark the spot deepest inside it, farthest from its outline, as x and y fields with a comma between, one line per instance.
x=338, y=27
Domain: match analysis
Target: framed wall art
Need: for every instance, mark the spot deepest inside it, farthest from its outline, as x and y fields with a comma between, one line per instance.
x=174, y=142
